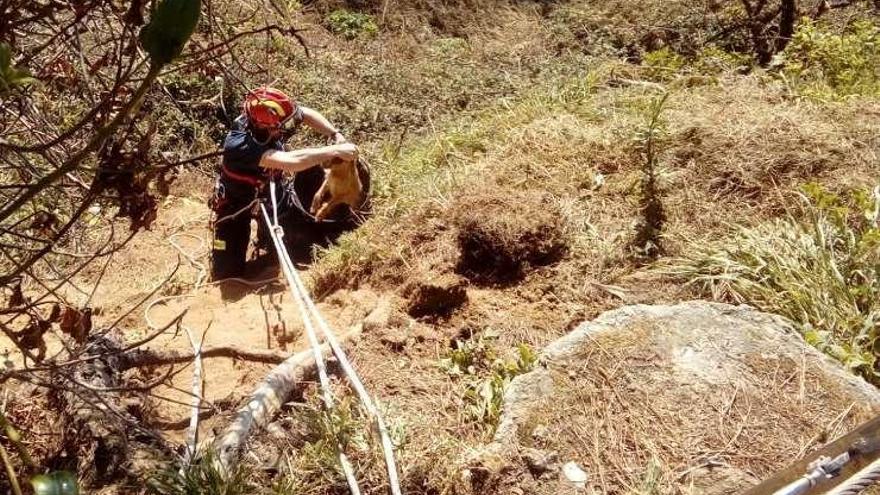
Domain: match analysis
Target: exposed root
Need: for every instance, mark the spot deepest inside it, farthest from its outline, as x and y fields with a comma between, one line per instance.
x=268, y=398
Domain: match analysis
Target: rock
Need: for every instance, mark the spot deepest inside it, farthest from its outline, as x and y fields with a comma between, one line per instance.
x=519, y=397
x=655, y=375
x=540, y=462
x=435, y=295
x=575, y=475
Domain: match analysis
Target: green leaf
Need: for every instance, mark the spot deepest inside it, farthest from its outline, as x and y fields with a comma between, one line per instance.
x=170, y=27
x=11, y=77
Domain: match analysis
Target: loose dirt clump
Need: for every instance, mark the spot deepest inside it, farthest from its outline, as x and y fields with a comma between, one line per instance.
x=435, y=295
x=501, y=236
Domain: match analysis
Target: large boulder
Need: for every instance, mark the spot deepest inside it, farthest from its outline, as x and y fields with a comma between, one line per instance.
x=693, y=398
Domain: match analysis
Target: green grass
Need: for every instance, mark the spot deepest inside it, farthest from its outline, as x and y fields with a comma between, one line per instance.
x=351, y=24
x=202, y=476
x=825, y=64
x=819, y=267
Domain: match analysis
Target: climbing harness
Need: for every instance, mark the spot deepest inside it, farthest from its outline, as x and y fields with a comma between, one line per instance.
x=250, y=180
x=308, y=310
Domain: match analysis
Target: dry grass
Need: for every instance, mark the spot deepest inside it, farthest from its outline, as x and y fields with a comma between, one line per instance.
x=499, y=128
x=732, y=151
x=818, y=266
x=631, y=422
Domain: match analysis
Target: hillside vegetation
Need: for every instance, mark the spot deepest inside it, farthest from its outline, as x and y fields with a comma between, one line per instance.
x=533, y=165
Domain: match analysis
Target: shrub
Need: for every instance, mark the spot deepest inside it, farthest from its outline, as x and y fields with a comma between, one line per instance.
x=825, y=64
x=351, y=24
x=819, y=267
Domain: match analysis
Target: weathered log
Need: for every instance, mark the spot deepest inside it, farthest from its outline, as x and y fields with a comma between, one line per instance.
x=268, y=398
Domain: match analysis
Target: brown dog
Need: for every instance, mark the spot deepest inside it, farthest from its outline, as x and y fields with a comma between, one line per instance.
x=342, y=185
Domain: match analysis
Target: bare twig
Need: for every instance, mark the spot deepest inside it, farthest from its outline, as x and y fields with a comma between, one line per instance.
x=152, y=358
x=193, y=433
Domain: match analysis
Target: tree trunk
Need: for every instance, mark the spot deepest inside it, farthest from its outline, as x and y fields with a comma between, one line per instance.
x=788, y=14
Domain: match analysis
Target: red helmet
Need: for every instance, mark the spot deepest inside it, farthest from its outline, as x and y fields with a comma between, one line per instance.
x=268, y=108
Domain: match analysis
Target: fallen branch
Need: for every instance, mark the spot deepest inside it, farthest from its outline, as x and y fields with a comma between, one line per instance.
x=267, y=399
x=148, y=357
x=10, y=471
x=192, y=434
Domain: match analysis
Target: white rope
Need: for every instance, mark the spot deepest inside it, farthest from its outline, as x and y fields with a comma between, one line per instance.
x=276, y=234
x=275, y=209
x=363, y=395
x=237, y=213
x=302, y=295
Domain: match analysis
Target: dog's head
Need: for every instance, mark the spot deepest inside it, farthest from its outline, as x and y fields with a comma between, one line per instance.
x=344, y=181
x=335, y=163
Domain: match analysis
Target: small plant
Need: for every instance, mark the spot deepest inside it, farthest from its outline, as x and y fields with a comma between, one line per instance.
x=663, y=64
x=487, y=376
x=824, y=64
x=315, y=462
x=340, y=425
x=647, y=241
x=486, y=397
x=468, y=355
x=351, y=24
x=202, y=476
x=819, y=267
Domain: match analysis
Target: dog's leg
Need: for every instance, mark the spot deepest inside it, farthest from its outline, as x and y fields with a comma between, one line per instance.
x=326, y=209
x=320, y=196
